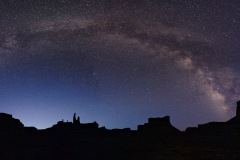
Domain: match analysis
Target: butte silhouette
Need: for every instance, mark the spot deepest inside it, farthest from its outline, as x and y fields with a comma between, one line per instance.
x=156, y=139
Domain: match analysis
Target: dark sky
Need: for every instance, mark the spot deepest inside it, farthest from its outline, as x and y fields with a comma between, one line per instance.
x=119, y=62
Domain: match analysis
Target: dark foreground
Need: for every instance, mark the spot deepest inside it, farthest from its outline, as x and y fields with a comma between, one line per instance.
x=155, y=140
x=78, y=146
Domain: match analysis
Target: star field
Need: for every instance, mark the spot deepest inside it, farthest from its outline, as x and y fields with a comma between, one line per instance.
x=119, y=62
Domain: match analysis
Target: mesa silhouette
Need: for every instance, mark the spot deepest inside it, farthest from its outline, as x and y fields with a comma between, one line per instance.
x=156, y=139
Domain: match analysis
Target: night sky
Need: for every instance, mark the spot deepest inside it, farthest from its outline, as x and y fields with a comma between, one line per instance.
x=119, y=62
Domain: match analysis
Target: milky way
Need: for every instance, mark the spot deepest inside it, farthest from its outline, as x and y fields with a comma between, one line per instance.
x=119, y=62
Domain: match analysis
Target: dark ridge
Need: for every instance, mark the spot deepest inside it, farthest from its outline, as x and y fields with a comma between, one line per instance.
x=156, y=139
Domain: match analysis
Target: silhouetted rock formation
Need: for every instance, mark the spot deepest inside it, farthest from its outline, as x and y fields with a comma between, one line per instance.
x=75, y=125
x=76, y=121
x=236, y=119
x=238, y=109
x=218, y=129
x=30, y=130
x=74, y=118
x=8, y=123
x=157, y=139
x=159, y=126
